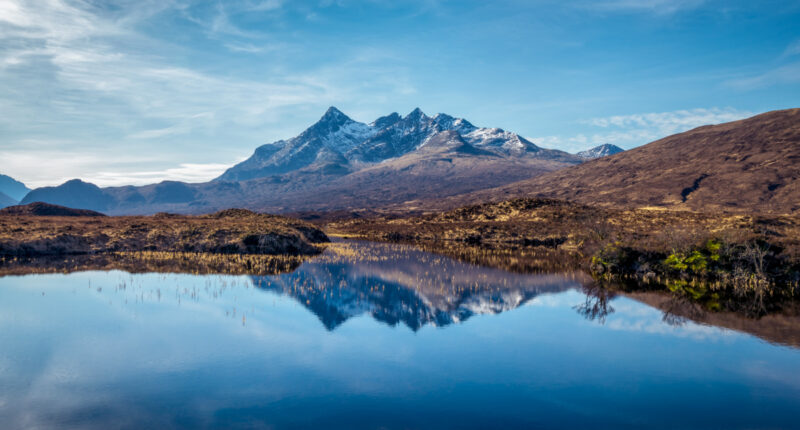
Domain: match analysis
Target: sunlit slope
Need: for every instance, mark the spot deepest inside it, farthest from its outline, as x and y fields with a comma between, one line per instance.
x=747, y=165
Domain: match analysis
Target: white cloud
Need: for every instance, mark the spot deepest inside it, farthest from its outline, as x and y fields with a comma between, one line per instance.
x=671, y=122
x=45, y=166
x=632, y=316
x=88, y=76
x=185, y=172
x=633, y=130
x=72, y=41
x=41, y=165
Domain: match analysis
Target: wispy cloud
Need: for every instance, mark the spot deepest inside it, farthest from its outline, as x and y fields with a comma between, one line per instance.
x=634, y=317
x=92, y=78
x=784, y=70
x=244, y=47
x=190, y=81
x=671, y=122
x=792, y=50
x=44, y=167
x=785, y=74
x=636, y=129
x=186, y=172
x=658, y=7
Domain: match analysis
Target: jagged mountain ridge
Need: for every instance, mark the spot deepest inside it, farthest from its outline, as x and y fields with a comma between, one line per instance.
x=338, y=144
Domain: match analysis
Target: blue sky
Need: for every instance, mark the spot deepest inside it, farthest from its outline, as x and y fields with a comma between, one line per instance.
x=136, y=91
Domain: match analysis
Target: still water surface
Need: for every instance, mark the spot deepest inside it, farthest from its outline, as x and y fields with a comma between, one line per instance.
x=371, y=336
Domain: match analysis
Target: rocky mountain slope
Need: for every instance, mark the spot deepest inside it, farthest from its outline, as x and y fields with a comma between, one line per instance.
x=338, y=144
x=751, y=165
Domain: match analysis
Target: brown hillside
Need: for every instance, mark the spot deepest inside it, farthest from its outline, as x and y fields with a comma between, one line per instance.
x=740, y=166
x=232, y=231
x=46, y=209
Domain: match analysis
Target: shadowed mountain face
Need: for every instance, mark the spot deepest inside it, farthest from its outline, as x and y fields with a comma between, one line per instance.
x=324, y=143
x=46, y=209
x=5, y=200
x=74, y=194
x=12, y=188
x=748, y=165
x=340, y=164
x=398, y=284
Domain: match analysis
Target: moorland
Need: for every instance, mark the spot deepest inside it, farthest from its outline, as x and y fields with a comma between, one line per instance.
x=748, y=263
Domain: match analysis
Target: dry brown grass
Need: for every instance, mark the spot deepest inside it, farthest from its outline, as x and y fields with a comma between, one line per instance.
x=153, y=261
x=544, y=223
x=756, y=269
x=227, y=232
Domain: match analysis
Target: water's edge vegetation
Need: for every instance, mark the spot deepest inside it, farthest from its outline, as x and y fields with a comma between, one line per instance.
x=729, y=262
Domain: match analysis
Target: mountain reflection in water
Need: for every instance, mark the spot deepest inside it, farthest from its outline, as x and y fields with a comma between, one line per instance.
x=402, y=284
x=471, y=348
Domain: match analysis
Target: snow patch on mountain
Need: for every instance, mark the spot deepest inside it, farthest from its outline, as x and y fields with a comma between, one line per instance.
x=499, y=139
x=348, y=135
x=603, y=150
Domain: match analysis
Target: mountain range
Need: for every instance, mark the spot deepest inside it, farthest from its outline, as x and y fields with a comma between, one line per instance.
x=418, y=162
x=340, y=164
x=336, y=143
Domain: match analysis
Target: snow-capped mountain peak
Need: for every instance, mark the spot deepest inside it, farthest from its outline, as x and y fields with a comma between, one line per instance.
x=447, y=122
x=499, y=139
x=334, y=114
x=603, y=150
x=338, y=131
x=416, y=115
x=386, y=121
x=349, y=144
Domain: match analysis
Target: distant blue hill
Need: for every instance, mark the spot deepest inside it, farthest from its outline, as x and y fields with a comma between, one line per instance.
x=12, y=188
x=6, y=201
